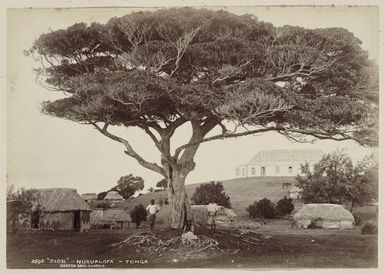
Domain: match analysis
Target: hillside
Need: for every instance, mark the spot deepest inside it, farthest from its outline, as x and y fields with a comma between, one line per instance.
x=242, y=192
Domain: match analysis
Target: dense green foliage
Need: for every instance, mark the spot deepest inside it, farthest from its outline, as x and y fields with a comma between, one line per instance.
x=337, y=180
x=261, y=209
x=101, y=195
x=162, y=184
x=284, y=206
x=128, y=185
x=138, y=214
x=157, y=66
x=212, y=192
x=20, y=204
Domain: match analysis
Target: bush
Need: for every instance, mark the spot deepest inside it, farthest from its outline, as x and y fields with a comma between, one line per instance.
x=101, y=195
x=285, y=206
x=138, y=214
x=369, y=228
x=357, y=219
x=212, y=192
x=162, y=183
x=262, y=208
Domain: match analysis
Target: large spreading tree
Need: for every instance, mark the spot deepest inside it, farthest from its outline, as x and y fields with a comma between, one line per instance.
x=225, y=75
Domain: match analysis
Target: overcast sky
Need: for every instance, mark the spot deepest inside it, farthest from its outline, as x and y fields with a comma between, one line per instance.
x=44, y=151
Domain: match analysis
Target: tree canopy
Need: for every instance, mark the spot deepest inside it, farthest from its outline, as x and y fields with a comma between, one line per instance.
x=212, y=69
x=211, y=192
x=337, y=180
x=128, y=185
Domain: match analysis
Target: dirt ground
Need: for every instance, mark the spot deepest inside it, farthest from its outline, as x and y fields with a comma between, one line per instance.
x=273, y=246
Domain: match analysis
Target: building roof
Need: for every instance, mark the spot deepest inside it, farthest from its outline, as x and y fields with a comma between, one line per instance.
x=329, y=212
x=60, y=199
x=113, y=195
x=109, y=216
x=89, y=196
x=297, y=155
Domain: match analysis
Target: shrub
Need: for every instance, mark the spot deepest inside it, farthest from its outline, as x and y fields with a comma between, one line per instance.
x=369, y=228
x=162, y=183
x=285, y=206
x=138, y=214
x=262, y=208
x=212, y=192
x=357, y=219
x=101, y=195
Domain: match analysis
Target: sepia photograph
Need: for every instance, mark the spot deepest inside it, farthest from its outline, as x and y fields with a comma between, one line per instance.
x=194, y=137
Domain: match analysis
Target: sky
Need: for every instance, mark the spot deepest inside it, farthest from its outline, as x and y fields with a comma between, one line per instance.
x=44, y=151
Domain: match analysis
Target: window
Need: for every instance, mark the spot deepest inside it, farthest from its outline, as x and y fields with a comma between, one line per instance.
x=290, y=170
x=277, y=170
x=237, y=172
x=253, y=171
x=243, y=172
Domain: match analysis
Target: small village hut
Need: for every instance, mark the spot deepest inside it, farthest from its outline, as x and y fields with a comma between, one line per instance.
x=110, y=218
x=324, y=216
x=113, y=196
x=60, y=209
x=224, y=217
x=89, y=197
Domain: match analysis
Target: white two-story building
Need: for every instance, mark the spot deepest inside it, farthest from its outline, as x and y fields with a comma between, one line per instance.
x=278, y=163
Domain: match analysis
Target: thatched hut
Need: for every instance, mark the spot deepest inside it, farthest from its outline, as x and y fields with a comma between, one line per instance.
x=110, y=218
x=60, y=209
x=224, y=216
x=113, y=196
x=324, y=216
x=89, y=197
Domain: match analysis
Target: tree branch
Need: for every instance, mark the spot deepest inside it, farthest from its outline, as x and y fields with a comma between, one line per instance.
x=225, y=136
x=129, y=150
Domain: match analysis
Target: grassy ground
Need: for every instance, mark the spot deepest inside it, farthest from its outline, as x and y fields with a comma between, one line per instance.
x=278, y=247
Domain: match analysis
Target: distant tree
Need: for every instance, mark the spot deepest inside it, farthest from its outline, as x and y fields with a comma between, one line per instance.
x=162, y=183
x=212, y=192
x=284, y=206
x=101, y=195
x=225, y=75
x=20, y=204
x=337, y=180
x=138, y=214
x=261, y=209
x=128, y=185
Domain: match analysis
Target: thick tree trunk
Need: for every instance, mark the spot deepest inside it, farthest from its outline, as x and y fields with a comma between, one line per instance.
x=180, y=202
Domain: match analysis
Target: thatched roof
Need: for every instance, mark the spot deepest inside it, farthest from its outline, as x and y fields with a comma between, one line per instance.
x=109, y=216
x=228, y=212
x=113, y=195
x=89, y=196
x=295, y=155
x=60, y=199
x=329, y=212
